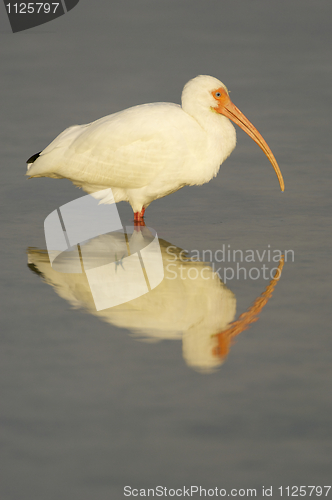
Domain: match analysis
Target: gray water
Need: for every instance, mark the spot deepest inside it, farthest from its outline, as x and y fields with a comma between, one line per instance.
x=88, y=407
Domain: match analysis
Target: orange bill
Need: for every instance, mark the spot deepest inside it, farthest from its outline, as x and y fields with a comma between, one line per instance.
x=228, y=109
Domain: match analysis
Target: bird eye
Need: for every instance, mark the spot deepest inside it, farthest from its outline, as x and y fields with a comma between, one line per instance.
x=217, y=94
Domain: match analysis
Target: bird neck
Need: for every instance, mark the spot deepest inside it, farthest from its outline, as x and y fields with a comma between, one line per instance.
x=219, y=129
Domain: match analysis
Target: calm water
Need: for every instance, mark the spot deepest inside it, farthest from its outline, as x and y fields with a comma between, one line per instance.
x=91, y=403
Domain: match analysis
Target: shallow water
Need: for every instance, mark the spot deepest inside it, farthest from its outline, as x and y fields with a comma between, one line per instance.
x=87, y=406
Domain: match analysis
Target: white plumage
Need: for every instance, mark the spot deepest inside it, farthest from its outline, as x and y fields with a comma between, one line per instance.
x=194, y=310
x=191, y=303
x=148, y=151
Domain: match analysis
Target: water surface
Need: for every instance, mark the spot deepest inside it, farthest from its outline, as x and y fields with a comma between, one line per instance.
x=87, y=407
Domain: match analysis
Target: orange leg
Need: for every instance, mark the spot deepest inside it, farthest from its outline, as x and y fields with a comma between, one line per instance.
x=138, y=216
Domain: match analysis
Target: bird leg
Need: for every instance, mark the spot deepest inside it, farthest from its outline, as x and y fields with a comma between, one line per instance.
x=139, y=219
x=138, y=216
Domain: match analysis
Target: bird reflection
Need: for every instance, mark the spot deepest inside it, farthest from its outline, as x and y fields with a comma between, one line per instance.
x=191, y=302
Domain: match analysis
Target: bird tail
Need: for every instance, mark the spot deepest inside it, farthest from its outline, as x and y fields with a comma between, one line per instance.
x=32, y=159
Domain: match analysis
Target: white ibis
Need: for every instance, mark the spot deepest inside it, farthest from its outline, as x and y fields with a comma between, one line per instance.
x=191, y=303
x=149, y=151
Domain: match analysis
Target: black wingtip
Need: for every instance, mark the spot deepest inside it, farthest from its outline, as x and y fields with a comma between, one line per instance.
x=33, y=157
x=35, y=270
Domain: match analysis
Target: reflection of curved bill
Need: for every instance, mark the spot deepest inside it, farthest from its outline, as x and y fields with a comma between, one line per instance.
x=199, y=310
x=247, y=318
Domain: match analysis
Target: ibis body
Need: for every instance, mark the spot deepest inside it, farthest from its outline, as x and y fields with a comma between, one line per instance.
x=149, y=151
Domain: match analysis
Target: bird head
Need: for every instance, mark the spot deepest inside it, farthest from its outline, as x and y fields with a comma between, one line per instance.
x=213, y=94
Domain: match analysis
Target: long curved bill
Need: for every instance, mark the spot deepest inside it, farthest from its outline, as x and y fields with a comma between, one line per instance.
x=228, y=109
